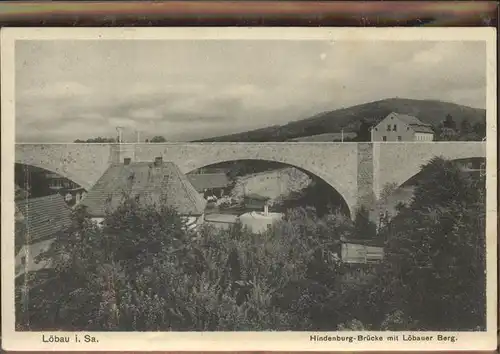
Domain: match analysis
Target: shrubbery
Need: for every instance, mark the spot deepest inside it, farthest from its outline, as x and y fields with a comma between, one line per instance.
x=142, y=271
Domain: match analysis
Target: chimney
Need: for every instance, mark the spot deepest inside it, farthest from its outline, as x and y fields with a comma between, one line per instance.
x=158, y=161
x=127, y=160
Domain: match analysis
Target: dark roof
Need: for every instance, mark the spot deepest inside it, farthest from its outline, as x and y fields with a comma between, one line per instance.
x=221, y=218
x=408, y=119
x=41, y=218
x=326, y=137
x=256, y=197
x=150, y=182
x=422, y=129
x=202, y=181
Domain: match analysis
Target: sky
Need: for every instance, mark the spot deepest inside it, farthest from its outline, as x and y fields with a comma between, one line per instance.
x=187, y=90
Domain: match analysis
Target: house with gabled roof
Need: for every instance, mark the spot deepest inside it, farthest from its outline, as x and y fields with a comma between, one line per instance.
x=37, y=223
x=210, y=183
x=150, y=183
x=402, y=127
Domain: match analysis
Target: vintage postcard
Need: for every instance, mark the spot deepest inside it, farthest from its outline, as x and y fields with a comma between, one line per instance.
x=249, y=189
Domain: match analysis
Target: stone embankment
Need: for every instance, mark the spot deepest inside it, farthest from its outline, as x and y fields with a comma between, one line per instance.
x=274, y=184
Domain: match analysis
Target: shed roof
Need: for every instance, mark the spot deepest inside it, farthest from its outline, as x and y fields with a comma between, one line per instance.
x=40, y=218
x=357, y=253
x=422, y=129
x=221, y=218
x=202, y=181
x=254, y=196
x=148, y=181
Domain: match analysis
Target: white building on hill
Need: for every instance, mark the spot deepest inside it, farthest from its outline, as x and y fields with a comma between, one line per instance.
x=402, y=127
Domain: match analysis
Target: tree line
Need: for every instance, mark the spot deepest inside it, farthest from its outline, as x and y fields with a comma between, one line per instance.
x=107, y=140
x=141, y=271
x=446, y=130
x=449, y=130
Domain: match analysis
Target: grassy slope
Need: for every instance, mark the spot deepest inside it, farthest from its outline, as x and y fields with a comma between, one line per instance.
x=432, y=112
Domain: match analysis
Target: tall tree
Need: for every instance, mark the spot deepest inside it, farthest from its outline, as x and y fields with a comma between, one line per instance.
x=465, y=127
x=449, y=122
x=364, y=228
x=364, y=133
x=435, y=271
x=480, y=129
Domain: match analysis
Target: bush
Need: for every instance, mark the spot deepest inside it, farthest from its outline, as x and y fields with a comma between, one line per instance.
x=142, y=271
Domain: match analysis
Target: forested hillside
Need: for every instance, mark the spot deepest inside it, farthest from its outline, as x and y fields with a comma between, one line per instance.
x=350, y=119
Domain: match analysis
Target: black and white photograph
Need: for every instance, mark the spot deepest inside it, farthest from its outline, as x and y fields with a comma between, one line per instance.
x=326, y=185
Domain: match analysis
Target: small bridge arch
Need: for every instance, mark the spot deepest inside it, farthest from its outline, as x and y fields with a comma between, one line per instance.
x=83, y=164
x=396, y=163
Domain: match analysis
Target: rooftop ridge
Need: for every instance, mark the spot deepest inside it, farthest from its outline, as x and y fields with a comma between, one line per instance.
x=185, y=185
x=150, y=181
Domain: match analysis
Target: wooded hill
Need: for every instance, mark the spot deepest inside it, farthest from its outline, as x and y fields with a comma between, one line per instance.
x=350, y=119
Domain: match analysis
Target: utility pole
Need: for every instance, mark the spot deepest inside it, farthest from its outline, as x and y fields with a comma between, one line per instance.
x=119, y=131
x=342, y=134
x=138, y=136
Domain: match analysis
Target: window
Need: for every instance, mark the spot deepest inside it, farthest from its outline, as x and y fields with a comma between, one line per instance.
x=23, y=260
x=399, y=138
x=388, y=127
x=395, y=127
x=384, y=138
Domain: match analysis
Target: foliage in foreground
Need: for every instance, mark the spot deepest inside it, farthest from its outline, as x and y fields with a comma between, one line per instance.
x=435, y=266
x=143, y=271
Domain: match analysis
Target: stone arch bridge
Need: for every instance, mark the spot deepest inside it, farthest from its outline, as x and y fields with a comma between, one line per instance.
x=358, y=171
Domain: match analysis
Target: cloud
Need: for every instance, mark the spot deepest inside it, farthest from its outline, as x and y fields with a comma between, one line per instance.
x=145, y=113
x=56, y=90
x=191, y=89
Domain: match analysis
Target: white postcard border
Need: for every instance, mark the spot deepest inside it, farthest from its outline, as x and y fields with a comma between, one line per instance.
x=232, y=341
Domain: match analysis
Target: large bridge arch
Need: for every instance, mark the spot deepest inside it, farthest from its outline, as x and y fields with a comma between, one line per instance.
x=301, y=169
x=334, y=163
x=83, y=164
x=357, y=171
x=396, y=163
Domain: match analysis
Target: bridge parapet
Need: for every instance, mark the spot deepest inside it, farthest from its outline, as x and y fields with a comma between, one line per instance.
x=358, y=171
